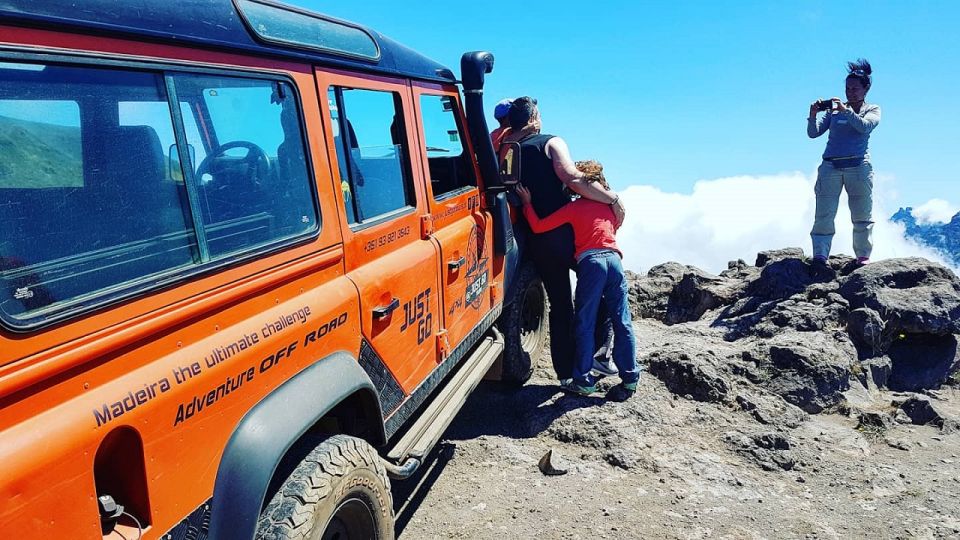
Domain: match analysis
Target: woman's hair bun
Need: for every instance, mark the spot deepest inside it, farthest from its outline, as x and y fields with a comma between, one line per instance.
x=861, y=65
x=860, y=70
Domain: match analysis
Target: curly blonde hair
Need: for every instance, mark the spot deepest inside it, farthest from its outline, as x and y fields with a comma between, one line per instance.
x=593, y=172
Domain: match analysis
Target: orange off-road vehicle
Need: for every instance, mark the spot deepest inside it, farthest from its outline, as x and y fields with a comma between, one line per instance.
x=252, y=261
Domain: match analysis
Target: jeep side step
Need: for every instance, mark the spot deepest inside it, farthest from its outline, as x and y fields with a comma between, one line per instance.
x=424, y=434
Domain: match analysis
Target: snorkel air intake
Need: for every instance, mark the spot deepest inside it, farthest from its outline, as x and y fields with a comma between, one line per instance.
x=474, y=66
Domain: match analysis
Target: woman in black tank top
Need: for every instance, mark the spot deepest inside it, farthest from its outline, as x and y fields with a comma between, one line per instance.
x=546, y=168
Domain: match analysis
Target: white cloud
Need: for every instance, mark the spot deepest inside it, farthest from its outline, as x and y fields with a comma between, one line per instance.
x=730, y=218
x=935, y=211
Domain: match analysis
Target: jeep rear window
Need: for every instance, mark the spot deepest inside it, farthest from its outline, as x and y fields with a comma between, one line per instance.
x=94, y=202
x=251, y=171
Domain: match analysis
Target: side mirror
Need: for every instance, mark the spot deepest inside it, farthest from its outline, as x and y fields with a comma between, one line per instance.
x=510, y=164
x=174, y=165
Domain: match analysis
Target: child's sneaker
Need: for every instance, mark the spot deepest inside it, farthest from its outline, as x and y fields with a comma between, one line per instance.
x=622, y=392
x=569, y=385
x=603, y=367
x=862, y=261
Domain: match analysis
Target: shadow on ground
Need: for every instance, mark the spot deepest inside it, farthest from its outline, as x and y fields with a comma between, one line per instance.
x=492, y=409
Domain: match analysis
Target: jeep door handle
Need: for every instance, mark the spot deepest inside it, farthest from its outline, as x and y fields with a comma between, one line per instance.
x=456, y=263
x=380, y=312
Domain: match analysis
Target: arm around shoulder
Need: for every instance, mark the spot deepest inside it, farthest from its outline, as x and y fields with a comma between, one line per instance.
x=550, y=222
x=566, y=170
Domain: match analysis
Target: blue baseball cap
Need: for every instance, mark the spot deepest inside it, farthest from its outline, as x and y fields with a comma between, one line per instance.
x=502, y=109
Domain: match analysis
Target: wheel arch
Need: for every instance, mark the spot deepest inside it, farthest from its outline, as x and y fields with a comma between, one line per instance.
x=273, y=426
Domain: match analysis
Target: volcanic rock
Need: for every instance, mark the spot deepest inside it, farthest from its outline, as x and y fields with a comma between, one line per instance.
x=692, y=374
x=804, y=332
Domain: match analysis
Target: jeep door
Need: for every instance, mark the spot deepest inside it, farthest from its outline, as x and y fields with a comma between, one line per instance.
x=383, y=209
x=461, y=228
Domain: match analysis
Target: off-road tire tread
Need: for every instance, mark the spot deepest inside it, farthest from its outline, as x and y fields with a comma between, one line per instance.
x=289, y=514
x=516, y=368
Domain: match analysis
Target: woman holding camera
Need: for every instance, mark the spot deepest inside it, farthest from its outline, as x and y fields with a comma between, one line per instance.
x=846, y=163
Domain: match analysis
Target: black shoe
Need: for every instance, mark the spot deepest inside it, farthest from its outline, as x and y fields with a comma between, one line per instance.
x=621, y=392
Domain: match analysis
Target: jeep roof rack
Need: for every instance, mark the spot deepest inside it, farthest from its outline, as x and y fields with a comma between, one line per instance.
x=262, y=27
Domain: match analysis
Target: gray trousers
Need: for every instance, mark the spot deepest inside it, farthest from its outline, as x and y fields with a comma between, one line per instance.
x=858, y=181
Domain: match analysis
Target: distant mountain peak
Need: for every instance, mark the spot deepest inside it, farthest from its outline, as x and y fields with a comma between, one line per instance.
x=942, y=237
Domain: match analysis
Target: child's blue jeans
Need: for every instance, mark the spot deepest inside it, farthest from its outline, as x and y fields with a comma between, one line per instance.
x=600, y=279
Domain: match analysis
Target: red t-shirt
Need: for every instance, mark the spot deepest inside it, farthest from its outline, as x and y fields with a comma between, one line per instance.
x=592, y=224
x=497, y=136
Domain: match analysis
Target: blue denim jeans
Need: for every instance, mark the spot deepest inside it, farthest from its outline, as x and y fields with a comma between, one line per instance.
x=600, y=279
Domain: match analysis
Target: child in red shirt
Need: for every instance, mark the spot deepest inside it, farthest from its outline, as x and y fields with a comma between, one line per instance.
x=599, y=278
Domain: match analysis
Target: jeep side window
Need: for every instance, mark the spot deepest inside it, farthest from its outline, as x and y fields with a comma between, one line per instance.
x=40, y=144
x=84, y=206
x=371, y=152
x=451, y=168
x=136, y=113
x=94, y=203
x=251, y=178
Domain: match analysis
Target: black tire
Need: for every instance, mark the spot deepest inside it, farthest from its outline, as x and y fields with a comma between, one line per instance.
x=339, y=491
x=524, y=327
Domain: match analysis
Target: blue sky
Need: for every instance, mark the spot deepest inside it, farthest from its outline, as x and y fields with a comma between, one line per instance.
x=669, y=93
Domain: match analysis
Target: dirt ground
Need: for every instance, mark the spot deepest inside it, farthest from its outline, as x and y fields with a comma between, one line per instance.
x=664, y=466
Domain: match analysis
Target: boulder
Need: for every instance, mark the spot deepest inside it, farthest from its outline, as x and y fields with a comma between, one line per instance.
x=774, y=255
x=771, y=409
x=876, y=370
x=922, y=412
x=912, y=295
x=698, y=292
x=866, y=329
x=874, y=421
x=771, y=451
x=649, y=294
x=787, y=277
x=693, y=374
x=810, y=370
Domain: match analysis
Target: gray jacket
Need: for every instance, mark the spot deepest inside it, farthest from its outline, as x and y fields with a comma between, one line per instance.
x=849, y=131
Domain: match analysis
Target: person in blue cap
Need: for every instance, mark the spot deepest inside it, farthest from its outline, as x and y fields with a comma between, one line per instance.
x=502, y=114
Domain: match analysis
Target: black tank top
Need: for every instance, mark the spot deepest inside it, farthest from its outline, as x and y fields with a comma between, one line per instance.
x=536, y=173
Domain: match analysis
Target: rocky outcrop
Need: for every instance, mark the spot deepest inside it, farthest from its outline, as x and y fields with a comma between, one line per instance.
x=771, y=451
x=810, y=370
x=798, y=336
x=649, y=295
x=695, y=375
x=912, y=296
x=774, y=255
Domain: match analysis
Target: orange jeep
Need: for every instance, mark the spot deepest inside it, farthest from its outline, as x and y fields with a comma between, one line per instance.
x=252, y=261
